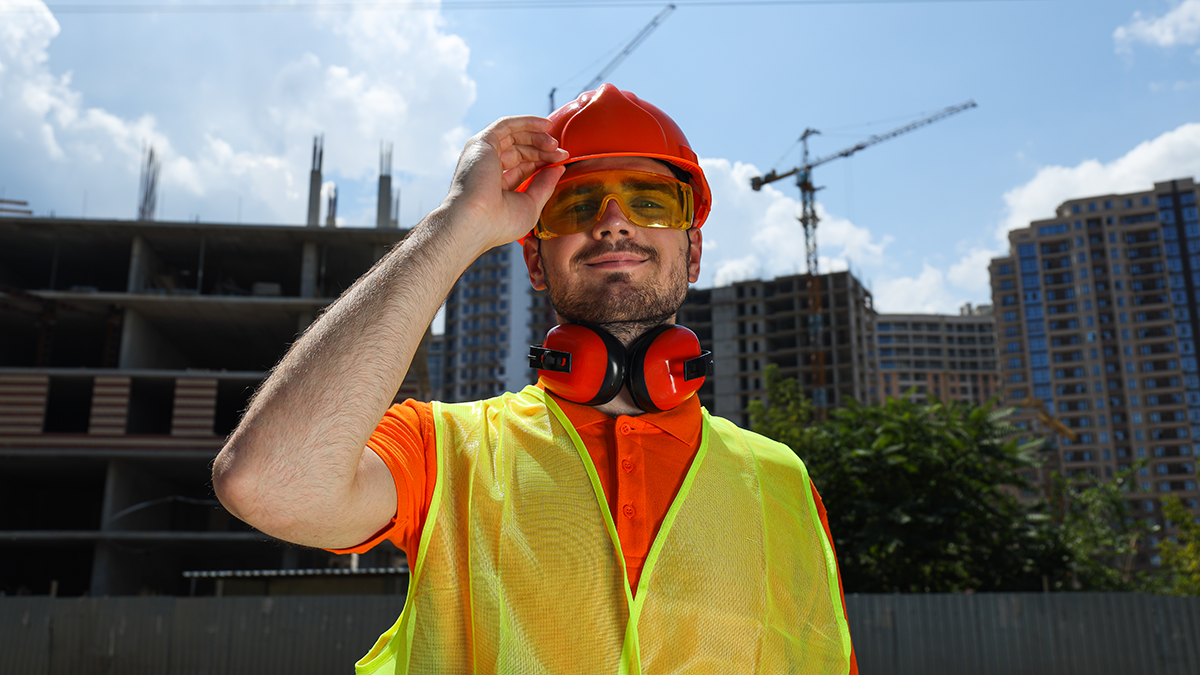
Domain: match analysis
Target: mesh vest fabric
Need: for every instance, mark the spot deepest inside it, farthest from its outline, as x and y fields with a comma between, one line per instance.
x=520, y=570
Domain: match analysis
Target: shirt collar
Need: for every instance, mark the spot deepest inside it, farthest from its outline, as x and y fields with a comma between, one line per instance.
x=683, y=421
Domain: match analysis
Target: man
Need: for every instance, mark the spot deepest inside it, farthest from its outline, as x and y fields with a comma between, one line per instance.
x=554, y=530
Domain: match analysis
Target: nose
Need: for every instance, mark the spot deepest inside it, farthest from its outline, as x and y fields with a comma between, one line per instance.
x=613, y=222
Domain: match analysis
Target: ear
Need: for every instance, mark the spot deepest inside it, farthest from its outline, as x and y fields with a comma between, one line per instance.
x=533, y=261
x=696, y=241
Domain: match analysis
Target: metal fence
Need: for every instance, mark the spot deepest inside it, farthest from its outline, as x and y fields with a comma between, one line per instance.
x=1026, y=634
x=982, y=634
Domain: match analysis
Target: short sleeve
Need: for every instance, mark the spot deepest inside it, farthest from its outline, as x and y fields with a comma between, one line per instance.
x=405, y=441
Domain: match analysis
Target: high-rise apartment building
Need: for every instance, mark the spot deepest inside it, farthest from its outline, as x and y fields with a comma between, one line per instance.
x=1098, y=311
x=947, y=357
x=761, y=322
x=489, y=320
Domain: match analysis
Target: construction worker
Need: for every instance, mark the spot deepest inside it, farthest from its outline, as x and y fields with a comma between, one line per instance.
x=600, y=521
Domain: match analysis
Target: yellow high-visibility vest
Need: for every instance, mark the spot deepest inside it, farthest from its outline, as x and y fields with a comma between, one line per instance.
x=520, y=570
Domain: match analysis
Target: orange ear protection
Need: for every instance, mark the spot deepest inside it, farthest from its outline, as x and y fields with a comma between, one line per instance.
x=585, y=364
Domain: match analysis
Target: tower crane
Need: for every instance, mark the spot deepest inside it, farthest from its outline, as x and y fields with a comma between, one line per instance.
x=622, y=55
x=808, y=219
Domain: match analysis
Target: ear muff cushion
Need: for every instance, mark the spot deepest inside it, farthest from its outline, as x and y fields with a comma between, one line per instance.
x=656, y=364
x=597, y=364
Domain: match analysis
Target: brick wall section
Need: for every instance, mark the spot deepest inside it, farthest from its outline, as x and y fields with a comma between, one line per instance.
x=22, y=404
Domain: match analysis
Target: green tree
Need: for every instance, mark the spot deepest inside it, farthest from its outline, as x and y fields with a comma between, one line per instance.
x=1100, y=532
x=921, y=498
x=1181, y=556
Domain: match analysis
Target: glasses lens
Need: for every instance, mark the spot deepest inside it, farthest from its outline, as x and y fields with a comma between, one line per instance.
x=646, y=200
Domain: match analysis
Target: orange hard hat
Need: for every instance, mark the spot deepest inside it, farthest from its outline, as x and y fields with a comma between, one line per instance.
x=609, y=122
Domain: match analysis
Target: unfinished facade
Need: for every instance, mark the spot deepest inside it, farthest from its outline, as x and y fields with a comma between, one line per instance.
x=128, y=351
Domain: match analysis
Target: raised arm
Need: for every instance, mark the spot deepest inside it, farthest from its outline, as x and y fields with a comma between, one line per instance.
x=297, y=466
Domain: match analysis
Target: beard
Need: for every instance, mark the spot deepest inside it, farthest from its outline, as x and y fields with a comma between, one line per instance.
x=615, y=302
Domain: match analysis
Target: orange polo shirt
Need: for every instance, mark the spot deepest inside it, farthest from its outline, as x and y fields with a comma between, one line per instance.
x=641, y=461
x=625, y=450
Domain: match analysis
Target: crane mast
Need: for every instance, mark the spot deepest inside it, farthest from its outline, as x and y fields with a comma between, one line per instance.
x=808, y=221
x=622, y=55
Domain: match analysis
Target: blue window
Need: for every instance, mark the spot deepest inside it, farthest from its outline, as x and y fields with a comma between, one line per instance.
x=1033, y=312
x=1026, y=250
x=1058, y=228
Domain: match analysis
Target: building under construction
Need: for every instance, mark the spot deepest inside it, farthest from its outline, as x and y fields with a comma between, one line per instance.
x=756, y=323
x=128, y=350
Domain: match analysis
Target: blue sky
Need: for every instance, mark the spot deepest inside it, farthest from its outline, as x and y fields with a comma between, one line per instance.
x=1076, y=97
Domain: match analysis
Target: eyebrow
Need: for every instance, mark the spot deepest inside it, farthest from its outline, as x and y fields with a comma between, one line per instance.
x=599, y=187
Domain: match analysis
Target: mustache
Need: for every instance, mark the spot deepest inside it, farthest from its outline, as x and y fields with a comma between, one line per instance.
x=622, y=246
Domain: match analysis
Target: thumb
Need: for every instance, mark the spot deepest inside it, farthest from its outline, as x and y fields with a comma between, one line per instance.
x=542, y=185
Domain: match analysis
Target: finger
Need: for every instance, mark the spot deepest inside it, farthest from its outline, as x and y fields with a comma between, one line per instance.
x=519, y=154
x=527, y=130
x=542, y=185
x=517, y=175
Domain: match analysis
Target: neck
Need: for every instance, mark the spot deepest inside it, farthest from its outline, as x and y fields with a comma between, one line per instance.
x=621, y=405
x=628, y=331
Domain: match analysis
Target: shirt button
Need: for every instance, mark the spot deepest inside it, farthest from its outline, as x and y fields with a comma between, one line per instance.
x=627, y=465
x=626, y=429
x=628, y=511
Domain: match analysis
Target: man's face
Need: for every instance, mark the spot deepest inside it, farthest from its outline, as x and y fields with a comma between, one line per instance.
x=616, y=273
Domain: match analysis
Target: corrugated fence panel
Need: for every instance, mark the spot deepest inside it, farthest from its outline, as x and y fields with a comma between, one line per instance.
x=24, y=635
x=982, y=634
x=128, y=635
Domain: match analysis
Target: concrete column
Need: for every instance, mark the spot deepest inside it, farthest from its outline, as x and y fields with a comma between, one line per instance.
x=308, y=271
x=140, y=262
x=120, y=570
x=383, y=206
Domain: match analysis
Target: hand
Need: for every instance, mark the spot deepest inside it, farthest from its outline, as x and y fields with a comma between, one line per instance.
x=482, y=198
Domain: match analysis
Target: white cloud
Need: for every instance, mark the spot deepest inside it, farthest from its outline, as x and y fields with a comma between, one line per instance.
x=1174, y=154
x=925, y=293
x=1180, y=26
x=394, y=76
x=971, y=271
x=756, y=234
x=738, y=269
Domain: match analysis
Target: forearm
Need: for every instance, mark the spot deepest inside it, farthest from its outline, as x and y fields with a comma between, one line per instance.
x=295, y=466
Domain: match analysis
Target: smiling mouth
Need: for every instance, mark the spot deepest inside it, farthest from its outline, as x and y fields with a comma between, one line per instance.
x=615, y=262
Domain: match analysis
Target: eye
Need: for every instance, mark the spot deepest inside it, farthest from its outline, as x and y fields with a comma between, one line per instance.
x=579, y=208
x=646, y=203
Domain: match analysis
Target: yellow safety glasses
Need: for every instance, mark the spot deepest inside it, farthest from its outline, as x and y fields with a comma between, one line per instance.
x=646, y=199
